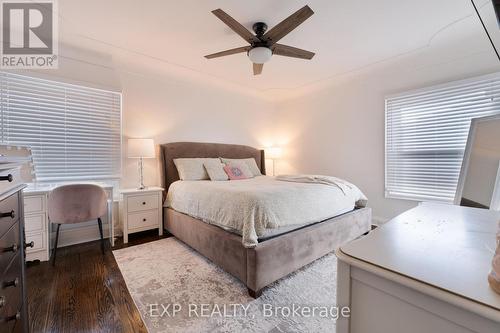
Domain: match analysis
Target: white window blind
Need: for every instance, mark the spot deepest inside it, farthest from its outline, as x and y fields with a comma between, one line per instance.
x=426, y=133
x=74, y=131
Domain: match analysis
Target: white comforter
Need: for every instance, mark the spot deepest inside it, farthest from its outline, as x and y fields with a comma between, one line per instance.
x=249, y=207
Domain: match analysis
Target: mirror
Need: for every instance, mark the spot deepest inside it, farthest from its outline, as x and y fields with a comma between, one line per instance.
x=479, y=181
x=489, y=14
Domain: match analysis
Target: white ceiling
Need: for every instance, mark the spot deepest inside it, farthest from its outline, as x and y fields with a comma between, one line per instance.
x=345, y=34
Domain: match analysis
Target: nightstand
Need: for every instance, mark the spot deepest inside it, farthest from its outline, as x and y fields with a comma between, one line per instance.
x=141, y=210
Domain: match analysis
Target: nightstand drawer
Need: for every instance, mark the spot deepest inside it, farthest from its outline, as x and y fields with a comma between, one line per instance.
x=142, y=202
x=33, y=204
x=143, y=219
x=34, y=222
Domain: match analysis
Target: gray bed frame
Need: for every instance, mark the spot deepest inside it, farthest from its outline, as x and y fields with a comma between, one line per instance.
x=271, y=259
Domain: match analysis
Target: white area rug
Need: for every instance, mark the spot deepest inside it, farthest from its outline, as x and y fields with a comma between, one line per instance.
x=166, y=276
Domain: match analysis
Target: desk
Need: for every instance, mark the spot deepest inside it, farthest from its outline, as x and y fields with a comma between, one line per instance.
x=424, y=271
x=38, y=228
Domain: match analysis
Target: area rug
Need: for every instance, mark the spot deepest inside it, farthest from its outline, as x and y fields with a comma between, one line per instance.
x=177, y=290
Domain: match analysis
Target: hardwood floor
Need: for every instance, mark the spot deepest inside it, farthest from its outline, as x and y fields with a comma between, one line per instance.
x=84, y=292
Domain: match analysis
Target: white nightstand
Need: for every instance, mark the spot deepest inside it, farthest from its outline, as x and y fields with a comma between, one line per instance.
x=141, y=210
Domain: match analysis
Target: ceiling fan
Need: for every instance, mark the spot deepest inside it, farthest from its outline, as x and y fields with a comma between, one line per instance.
x=265, y=43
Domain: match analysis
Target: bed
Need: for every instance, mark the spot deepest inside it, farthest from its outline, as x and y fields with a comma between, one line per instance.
x=260, y=258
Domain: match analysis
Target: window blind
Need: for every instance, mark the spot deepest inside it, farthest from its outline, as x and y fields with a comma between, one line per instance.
x=74, y=131
x=426, y=133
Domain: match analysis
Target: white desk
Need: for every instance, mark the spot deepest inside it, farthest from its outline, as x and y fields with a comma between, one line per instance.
x=424, y=271
x=38, y=229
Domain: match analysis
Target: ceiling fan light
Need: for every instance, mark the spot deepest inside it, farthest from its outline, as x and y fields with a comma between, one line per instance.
x=260, y=55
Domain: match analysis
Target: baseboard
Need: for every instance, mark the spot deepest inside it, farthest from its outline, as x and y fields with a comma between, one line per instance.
x=378, y=220
x=80, y=235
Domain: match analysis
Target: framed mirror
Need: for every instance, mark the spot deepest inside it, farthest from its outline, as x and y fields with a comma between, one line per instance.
x=479, y=180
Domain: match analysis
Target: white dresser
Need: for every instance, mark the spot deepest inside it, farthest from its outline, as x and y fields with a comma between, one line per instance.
x=141, y=210
x=38, y=229
x=424, y=271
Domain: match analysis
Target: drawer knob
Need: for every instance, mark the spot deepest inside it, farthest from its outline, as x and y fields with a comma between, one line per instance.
x=13, y=283
x=30, y=244
x=8, y=178
x=2, y=301
x=10, y=214
x=144, y=202
x=144, y=220
x=12, y=248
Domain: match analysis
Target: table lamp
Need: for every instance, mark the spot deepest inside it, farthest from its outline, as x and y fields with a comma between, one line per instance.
x=141, y=148
x=274, y=153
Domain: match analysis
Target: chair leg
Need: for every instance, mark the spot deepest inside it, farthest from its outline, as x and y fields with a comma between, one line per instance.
x=55, y=245
x=99, y=222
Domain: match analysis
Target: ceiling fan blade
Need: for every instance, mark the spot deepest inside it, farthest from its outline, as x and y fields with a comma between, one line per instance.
x=291, y=22
x=235, y=26
x=257, y=68
x=290, y=51
x=228, y=52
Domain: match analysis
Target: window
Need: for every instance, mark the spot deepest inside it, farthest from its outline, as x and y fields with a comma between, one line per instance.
x=74, y=131
x=426, y=133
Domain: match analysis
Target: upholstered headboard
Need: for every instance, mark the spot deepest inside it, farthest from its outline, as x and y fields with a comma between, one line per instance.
x=170, y=151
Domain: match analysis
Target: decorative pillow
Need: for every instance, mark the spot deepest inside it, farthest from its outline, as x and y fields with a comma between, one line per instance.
x=215, y=170
x=192, y=168
x=234, y=172
x=249, y=162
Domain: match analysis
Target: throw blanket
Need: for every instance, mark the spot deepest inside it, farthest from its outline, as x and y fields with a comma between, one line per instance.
x=343, y=185
x=251, y=207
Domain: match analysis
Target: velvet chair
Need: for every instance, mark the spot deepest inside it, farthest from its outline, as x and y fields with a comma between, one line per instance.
x=76, y=203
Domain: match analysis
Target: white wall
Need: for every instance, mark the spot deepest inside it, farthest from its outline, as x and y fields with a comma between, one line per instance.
x=168, y=104
x=335, y=126
x=338, y=128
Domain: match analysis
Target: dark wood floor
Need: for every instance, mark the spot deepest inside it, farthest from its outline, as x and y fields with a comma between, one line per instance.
x=84, y=292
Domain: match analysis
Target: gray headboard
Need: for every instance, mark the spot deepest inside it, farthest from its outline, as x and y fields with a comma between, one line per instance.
x=170, y=151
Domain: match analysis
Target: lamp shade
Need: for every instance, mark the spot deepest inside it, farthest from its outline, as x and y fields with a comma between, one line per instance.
x=260, y=55
x=144, y=148
x=274, y=152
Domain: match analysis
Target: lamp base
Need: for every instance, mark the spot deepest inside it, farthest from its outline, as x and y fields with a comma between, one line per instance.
x=141, y=176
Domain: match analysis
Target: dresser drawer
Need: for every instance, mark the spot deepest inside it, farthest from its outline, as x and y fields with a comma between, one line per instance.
x=34, y=204
x=34, y=222
x=20, y=322
x=11, y=290
x=142, y=202
x=38, y=243
x=10, y=207
x=9, y=246
x=15, y=176
x=143, y=219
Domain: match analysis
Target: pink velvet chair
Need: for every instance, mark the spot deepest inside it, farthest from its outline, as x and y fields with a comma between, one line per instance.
x=76, y=203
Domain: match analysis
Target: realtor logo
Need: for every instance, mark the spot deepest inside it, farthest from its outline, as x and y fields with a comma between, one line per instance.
x=29, y=34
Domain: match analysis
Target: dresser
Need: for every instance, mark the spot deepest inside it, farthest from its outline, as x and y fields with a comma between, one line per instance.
x=424, y=271
x=13, y=304
x=141, y=210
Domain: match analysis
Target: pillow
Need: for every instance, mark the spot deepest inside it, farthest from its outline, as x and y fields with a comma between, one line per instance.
x=192, y=168
x=250, y=163
x=234, y=172
x=215, y=170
